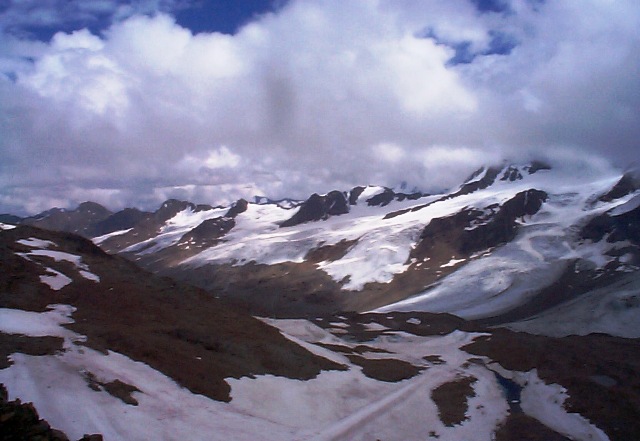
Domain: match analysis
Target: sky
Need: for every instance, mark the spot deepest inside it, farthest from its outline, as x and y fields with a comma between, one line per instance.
x=129, y=103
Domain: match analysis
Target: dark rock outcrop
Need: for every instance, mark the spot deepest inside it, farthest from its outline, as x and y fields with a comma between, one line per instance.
x=170, y=208
x=511, y=174
x=627, y=184
x=354, y=194
x=501, y=227
x=239, y=207
x=150, y=224
x=625, y=226
x=381, y=199
x=319, y=208
x=122, y=220
x=482, y=183
x=473, y=230
x=209, y=232
x=79, y=221
x=537, y=166
x=410, y=196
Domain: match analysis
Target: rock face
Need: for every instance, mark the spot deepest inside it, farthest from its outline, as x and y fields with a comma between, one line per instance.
x=511, y=174
x=354, y=194
x=382, y=199
x=489, y=178
x=319, y=208
x=629, y=183
x=502, y=227
x=122, y=220
x=209, y=232
x=614, y=226
x=239, y=207
x=79, y=221
x=170, y=208
x=473, y=230
x=536, y=166
x=149, y=224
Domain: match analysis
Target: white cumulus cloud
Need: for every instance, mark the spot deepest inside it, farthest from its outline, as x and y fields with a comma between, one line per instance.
x=316, y=96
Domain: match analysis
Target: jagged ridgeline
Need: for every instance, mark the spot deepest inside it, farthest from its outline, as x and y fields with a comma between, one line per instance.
x=528, y=231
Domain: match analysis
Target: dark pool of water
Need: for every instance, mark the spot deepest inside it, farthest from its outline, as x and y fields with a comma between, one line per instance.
x=511, y=391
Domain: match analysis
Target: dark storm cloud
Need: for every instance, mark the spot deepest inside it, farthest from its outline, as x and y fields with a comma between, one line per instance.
x=311, y=96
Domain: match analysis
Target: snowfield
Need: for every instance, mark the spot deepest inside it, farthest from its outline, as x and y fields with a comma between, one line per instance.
x=613, y=310
x=546, y=243
x=380, y=245
x=336, y=405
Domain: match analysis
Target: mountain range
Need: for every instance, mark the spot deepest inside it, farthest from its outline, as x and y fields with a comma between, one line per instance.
x=497, y=310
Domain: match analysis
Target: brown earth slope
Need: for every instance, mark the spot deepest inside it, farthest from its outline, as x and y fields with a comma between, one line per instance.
x=182, y=331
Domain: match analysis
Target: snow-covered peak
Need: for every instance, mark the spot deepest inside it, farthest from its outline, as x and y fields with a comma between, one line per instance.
x=368, y=192
x=628, y=206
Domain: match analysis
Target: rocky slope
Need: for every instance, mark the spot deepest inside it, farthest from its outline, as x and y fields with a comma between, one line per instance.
x=119, y=307
x=533, y=235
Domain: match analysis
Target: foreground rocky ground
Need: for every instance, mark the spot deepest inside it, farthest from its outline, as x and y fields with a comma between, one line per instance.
x=76, y=323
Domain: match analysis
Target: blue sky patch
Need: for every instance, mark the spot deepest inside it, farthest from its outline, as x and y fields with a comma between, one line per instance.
x=498, y=6
x=223, y=15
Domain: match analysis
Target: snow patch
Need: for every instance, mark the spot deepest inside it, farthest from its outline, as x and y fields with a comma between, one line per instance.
x=369, y=192
x=90, y=276
x=452, y=262
x=60, y=256
x=544, y=402
x=56, y=280
x=34, y=242
x=98, y=240
x=37, y=324
x=173, y=229
x=628, y=206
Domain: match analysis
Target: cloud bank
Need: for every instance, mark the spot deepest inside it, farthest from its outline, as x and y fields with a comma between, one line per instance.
x=314, y=96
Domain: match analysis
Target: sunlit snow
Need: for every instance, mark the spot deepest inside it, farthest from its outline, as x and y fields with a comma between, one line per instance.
x=336, y=405
x=380, y=247
x=54, y=278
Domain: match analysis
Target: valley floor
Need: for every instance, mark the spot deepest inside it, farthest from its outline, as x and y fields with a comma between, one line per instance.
x=409, y=377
